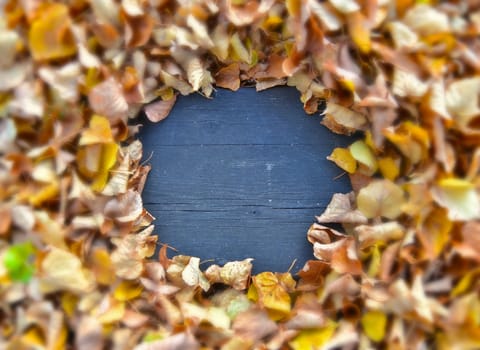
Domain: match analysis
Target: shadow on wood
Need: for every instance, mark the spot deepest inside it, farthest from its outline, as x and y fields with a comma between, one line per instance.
x=241, y=175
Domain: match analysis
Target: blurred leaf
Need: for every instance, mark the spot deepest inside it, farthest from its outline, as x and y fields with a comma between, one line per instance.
x=459, y=197
x=18, y=260
x=364, y=155
x=381, y=198
x=374, y=324
x=49, y=36
x=313, y=338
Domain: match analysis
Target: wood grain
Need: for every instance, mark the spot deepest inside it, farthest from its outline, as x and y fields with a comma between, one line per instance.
x=241, y=175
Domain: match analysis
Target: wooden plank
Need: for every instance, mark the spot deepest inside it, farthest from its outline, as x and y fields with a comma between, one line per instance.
x=241, y=175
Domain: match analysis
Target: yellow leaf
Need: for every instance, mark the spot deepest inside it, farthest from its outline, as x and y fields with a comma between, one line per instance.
x=375, y=260
x=381, y=198
x=62, y=270
x=50, y=36
x=459, y=197
x=108, y=160
x=114, y=313
x=45, y=194
x=358, y=28
x=69, y=303
x=412, y=140
x=364, y=155
x=98, y=131
x=435, y=232
x=272, y=295
x=33, y=337
x=239, y=49
x=465, y=282
x=102, y=266
x=389, y=168
x=95, y=161
x=313, y=338
x=252, y=293
x=374, y=324
x=127, y=290
x=342, y=158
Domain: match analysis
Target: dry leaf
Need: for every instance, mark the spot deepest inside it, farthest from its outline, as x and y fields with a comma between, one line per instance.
x=229, y=77
x=159, y=110
x=107, y=99
x=381, y=198
x=62, y=270
x=342, y=120
x=130, y=253
x=235, y=274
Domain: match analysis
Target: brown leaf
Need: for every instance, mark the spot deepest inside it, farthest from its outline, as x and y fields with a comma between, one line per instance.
x=235, y=274
x=341, y=210
x=160, y=109
x=254, y=325
x=107, y=99
x=342, y=120
x=125, y=207
x=88, y=335
x=229, y=77
x=129, y=256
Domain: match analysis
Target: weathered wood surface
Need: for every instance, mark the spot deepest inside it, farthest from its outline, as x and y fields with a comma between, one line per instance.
x=241, y=175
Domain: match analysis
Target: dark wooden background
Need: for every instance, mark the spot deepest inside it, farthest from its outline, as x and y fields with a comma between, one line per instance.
x=240, y=175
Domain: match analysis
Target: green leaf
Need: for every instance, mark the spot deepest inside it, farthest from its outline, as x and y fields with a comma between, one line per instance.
x=18, y=262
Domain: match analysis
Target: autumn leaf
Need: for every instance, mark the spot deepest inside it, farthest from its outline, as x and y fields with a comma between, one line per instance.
x=365, y=157
x=98, y=152
x=342, y=209
x=459, y=197
x=62, y=270
x=234, y=273
x=374, y=324
x=229, y=77
x=267, y=289
x=313, y=337
x=131, y=250
x=159, y=110
x=342, y=158
x=50, y=34
x=342, y=120
x=399, y=269
x=381, y=198
x=192, y=275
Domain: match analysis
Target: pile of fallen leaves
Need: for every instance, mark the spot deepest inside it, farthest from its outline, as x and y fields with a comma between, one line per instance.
x=76, y=244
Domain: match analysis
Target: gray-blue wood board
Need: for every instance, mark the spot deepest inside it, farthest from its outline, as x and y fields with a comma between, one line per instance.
x=240, y=175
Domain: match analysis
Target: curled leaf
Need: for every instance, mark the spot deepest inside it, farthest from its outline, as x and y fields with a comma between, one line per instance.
x=342, y=120
x=159, y=110
x=341, y=209
x=234, y=273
